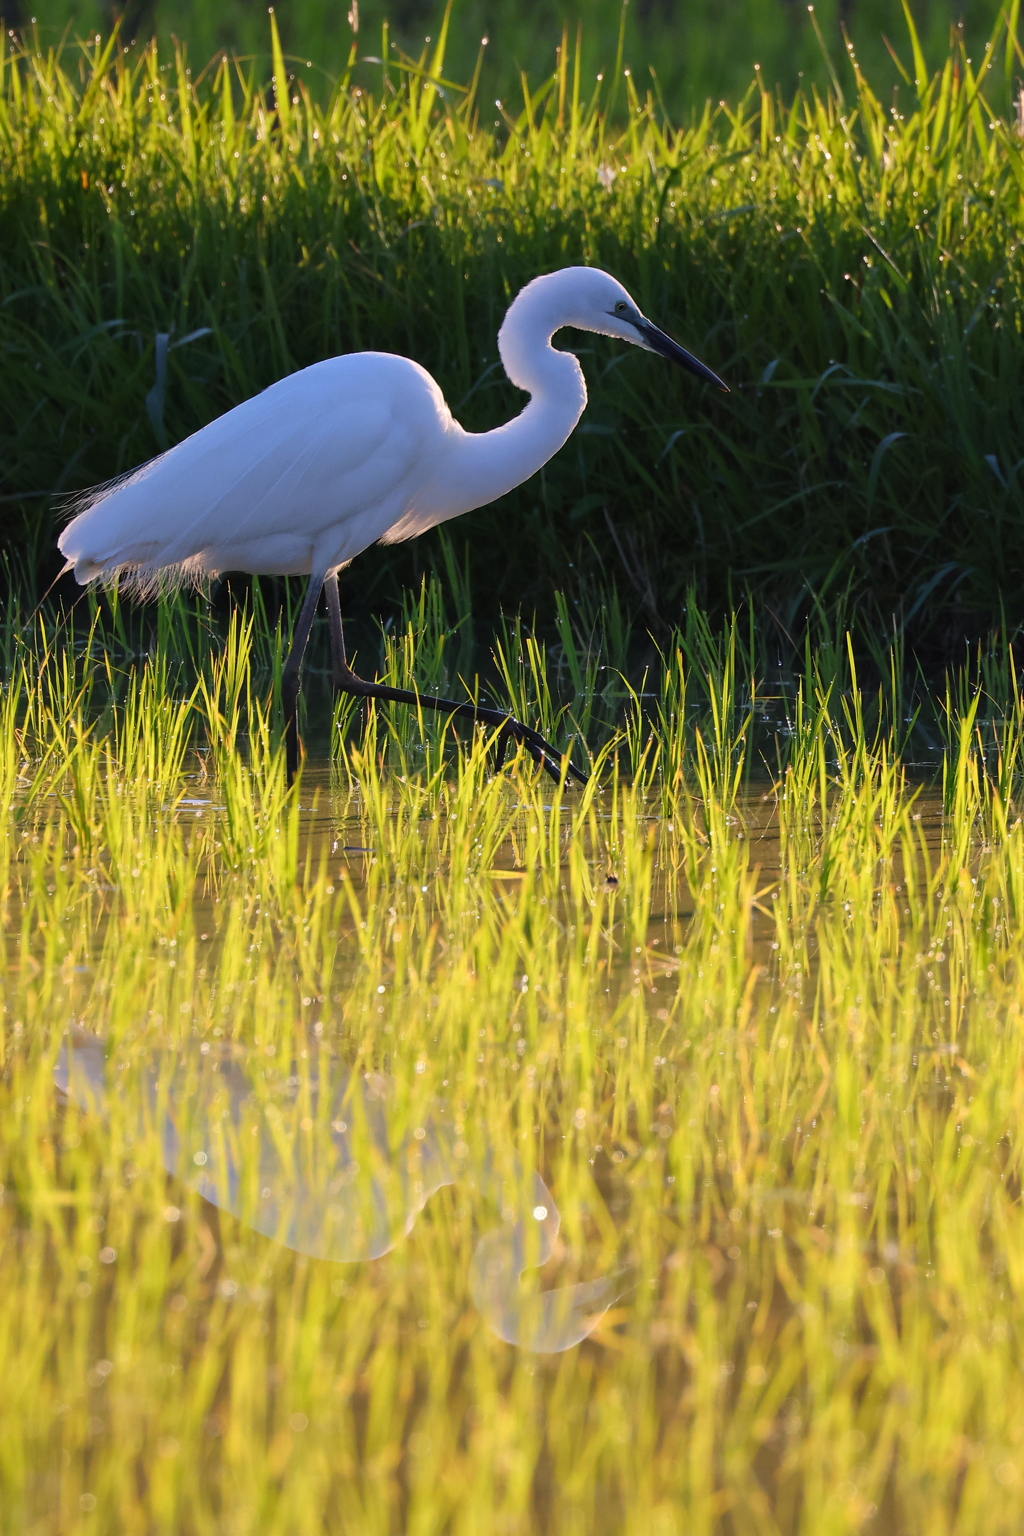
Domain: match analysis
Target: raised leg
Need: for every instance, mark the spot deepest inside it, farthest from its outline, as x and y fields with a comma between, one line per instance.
x=292, y=673
x=346, y=681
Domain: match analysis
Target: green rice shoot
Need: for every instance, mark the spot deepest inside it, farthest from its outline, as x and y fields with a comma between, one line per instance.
x=749, y=1004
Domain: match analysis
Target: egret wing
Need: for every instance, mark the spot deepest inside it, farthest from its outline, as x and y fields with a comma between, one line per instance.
x=322, y=454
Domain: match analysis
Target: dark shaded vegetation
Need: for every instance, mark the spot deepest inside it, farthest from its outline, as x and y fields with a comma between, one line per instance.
x=850, y=270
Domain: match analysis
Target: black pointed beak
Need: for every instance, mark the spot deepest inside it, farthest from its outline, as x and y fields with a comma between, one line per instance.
x=657, y=341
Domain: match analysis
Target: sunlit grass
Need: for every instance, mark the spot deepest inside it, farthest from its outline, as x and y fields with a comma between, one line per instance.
x=695, y=54
x=749, y=1005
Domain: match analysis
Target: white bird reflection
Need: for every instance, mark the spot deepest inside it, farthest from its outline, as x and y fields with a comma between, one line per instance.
x=313, y=1165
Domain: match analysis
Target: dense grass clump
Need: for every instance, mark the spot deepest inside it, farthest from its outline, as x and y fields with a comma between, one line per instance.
x=168, y=246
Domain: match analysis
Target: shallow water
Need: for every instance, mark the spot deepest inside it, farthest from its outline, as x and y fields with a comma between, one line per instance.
x=650, y=1171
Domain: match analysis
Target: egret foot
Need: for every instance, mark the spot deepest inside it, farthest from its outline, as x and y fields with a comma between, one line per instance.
x=543, y=752
x=346, y=681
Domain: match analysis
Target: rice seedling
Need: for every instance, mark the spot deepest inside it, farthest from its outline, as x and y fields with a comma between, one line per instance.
x=429, y=1149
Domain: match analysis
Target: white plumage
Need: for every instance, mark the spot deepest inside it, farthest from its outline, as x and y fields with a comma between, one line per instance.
x=325, y=459
x=303, y=477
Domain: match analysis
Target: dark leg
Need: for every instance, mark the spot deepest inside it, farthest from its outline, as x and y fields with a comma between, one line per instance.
x=290, y=676
x=339, y=664
x=346, y=681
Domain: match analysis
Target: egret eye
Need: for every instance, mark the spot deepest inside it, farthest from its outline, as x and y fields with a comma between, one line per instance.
x=621, y=307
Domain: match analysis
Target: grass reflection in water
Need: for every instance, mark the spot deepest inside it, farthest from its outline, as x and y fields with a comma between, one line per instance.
x=764, y=1085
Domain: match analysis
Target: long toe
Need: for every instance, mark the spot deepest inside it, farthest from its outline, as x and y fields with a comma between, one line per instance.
x=553, y=757
x=544, y=752
x=501, y=747
x=552, y=767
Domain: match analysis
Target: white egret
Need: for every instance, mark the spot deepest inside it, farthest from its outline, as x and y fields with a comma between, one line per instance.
x=348, y=452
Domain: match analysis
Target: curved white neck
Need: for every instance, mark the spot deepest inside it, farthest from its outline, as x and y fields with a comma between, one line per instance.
x=486, y=465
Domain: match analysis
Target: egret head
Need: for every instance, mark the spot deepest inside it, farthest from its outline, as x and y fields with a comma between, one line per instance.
x=591, y=300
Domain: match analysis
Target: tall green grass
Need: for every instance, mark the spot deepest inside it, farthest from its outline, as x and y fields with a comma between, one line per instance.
x=849, y=265
x=748, y=1004
x=697, y=52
